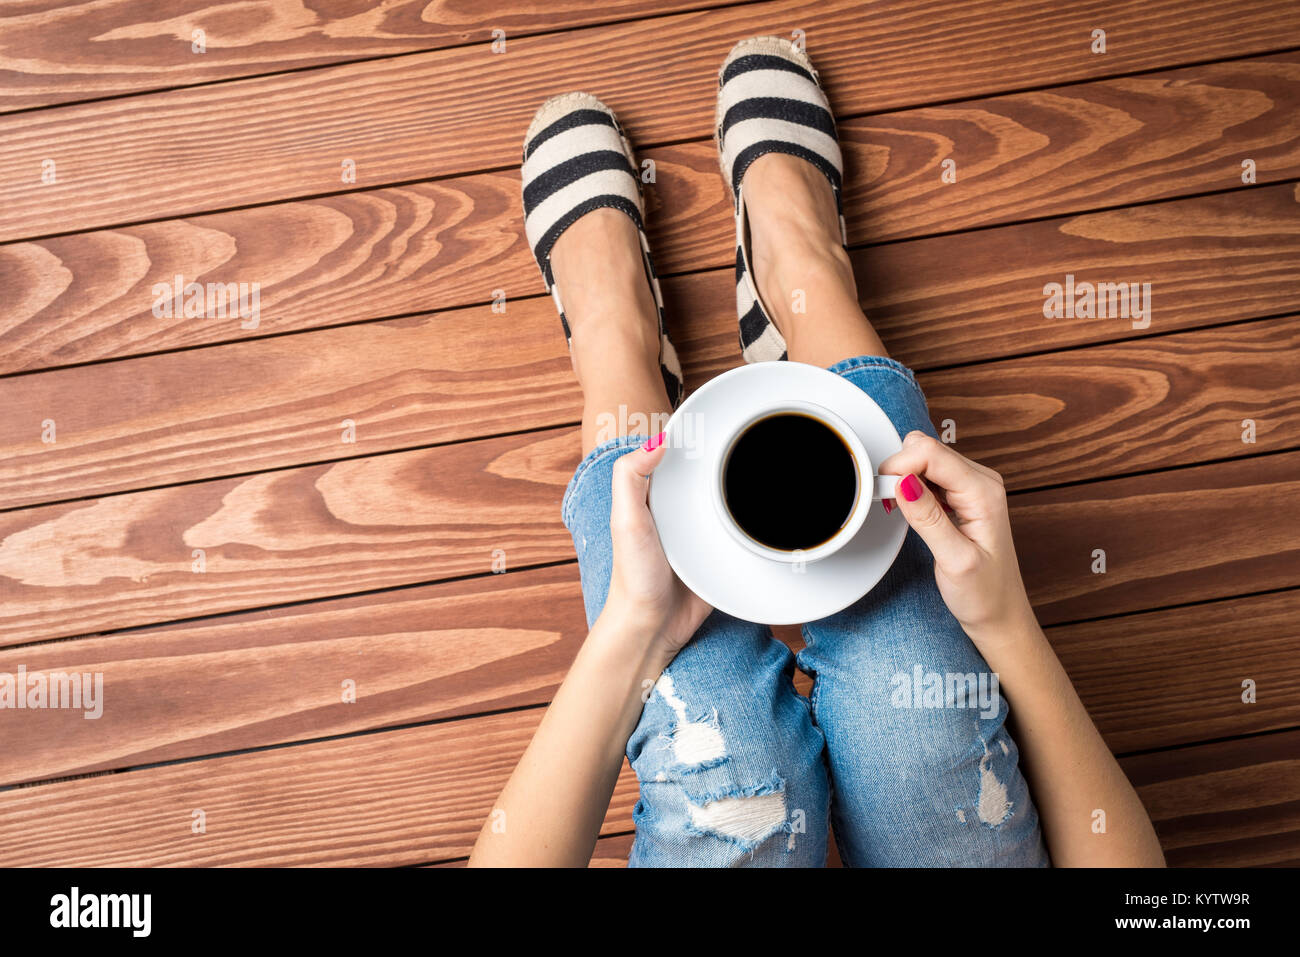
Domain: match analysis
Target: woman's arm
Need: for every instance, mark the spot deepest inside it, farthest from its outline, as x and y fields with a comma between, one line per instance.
x=550, y=812
x=1071, y=772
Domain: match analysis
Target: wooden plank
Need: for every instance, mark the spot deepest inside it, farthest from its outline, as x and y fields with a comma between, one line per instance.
x=420, y=794
x=400, y=797
x=52, y=52
x=454, y=111
x=1228, y=804
x=1153, y=403
x=468, y=647
x=411, y=655
x=1174, y=676
x=612, y=851
x=426, y=246
x=1169, y=538
x=282, y=401
x=281, y=536
x=402, y=383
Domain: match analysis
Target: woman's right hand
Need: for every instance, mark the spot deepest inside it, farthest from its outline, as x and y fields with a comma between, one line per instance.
x=974, y=558
x=1070, y=770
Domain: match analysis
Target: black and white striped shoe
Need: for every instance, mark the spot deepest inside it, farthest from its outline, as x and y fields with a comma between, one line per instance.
x=576, y=159
x=770, y=101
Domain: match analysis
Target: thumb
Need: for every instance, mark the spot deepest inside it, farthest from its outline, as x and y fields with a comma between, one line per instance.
x=924, y=512
x=631, y=482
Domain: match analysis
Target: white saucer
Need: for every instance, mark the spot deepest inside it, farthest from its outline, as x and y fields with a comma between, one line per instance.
x=707, y=558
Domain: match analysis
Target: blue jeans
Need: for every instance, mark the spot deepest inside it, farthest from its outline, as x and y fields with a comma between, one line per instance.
x=902, y=747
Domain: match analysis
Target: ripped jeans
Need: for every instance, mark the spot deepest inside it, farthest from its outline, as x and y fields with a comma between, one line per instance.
x=902, y=746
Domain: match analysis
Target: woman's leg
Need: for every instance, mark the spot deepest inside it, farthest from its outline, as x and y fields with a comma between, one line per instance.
x=923, y=770
x=614, y=328
x=730, y=763
x=802, y=272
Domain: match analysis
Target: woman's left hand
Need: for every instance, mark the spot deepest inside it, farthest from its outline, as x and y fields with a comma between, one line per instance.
x=645, y=593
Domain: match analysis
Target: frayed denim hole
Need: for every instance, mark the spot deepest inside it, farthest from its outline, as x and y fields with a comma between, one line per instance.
x=694, y=743
x=993, y=804
x=744, y=816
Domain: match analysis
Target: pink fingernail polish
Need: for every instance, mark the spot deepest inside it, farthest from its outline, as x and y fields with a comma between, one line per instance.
x=654, y=443
x=911, y=488
x=889, y=505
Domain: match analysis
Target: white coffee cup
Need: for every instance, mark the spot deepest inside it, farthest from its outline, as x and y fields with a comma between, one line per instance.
x=878, y=486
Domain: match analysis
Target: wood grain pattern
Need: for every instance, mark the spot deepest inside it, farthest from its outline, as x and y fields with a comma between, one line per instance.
x=1171, y=400
x=407, y=796
x=303, y=533
x=53, y=52
x=1174, y=676
x=612, y=851
x=419, y=795
x=316, y=263
x=402, y=383
x=455, y=111
x=427, y=246
x=1000, y=307
x=411, y=517
x=217, y=685
x=1228, y=804
x=1170, y=537
x=1149, y=680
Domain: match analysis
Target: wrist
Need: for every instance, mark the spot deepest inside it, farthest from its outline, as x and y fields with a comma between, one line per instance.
x=641, y=618
x=631, y=632
x=1016, y=628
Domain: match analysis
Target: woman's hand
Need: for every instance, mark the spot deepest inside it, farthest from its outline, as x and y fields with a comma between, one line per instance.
x=645, y=594
x=974, y=558
x=1070, y=770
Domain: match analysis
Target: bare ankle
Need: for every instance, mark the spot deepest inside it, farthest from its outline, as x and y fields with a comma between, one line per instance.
x=601, y=281
x=805, y=278
x=616, y=344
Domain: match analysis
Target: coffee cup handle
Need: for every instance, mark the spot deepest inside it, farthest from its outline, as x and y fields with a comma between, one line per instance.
x=886, y=487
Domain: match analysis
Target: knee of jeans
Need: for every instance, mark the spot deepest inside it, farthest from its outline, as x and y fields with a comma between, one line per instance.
x=971, y=761
x=702, y=779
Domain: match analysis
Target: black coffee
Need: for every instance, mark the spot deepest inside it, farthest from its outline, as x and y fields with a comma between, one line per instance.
x=790, y=482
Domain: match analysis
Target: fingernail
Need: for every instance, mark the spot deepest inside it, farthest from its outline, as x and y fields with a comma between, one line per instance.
x=654, y=443
x=889, y=505
x=911, y=488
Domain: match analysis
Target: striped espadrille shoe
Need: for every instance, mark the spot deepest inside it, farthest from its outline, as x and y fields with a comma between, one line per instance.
x=576, y=159
x=769, y=101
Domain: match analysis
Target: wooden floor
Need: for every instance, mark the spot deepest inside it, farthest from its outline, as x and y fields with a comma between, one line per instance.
x=232, y=521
